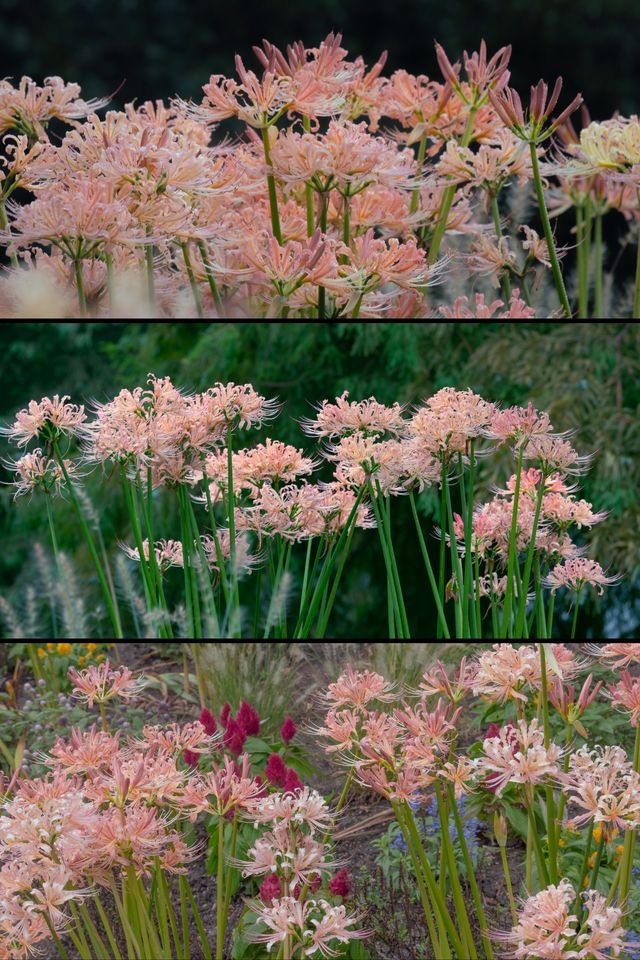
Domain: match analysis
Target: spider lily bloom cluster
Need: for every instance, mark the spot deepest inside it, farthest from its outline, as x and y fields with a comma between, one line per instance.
x=243, y=511
x=353, y=193
x=110, y=824
x=409, y=753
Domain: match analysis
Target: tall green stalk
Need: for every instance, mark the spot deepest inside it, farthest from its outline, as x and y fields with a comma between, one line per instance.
x=598, y=268
x=450, y=192
x=442, y=620
x=513, y=535
x=271, y=187
x=548, y=234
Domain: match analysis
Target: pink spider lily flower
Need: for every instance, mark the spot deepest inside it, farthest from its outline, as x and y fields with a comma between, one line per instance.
x=436, y=681
x=355, y=688
x=38, y=472
x=574, y=574
x=240, y=406
x=168, y=553
x=432, y=727
x=29, y=107
x=403, y=783
x=85, y=751
x=224, y=789
x=449, y=420
x=174, y=738
x=602, y=783
x=461, y=775
x=342, y=728
x=536, y=126
x=625, y=696
x=482, y=74
x=525, y=762
x=49, y=419
x=505, y=672
x=306, y=808
x=313, y=925
x=616, y=655
x=517, y=309
x=518, y=425
x=100, y=684
x=563, y=698
x=547, y=928
x=294, y=858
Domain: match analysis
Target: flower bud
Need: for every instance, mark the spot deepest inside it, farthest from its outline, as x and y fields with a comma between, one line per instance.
x=500, y=828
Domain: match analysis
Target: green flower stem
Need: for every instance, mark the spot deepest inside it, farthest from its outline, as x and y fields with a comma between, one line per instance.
x=507, y=877
x=147, y=510
x=191, y=629
x=452, y=868
x=415, y=196
x=334, y=589
x=394, y=563
x=205, y=579
x=440, y=946
x=213, y=286
x=443, y=543
x=626, y=863
x=505, y=281
x=475, y=892
x=232, y=853
x=456, y=566
x=506, y=614
x=596, y=866
x=575, y=614
x=271, y=186
x=322, y=223
x=468, y=575
x=526, y=576
x=552, y=863
x=90, y=544
x=548, y=235
x=4, y=223
x=220, y=892
x=583, y=232
x=436, y=897
x=235, y=599
x=302, y=629
x=216, y=539
x=450, y=192
x=584, y=869
x=389, y=558
x=192, y=280
x=597, y=269
x=82, y=298
x=442, y=621
x=149, y=590
x=543, y=874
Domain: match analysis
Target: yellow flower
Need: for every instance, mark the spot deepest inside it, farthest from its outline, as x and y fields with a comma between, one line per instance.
x=620, y=849
x=597, y=833
x=592, y=860
x=41, y=653
x=100, y=657
x=81, y=661
x=562, y=843
x=64, y=649
x=91, y=647
x=50, y=647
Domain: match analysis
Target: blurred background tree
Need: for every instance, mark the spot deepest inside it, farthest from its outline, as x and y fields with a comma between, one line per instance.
x=585, y=375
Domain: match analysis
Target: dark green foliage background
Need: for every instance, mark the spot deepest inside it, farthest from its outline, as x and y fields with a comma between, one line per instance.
x=163, y=47
x=586, y=375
